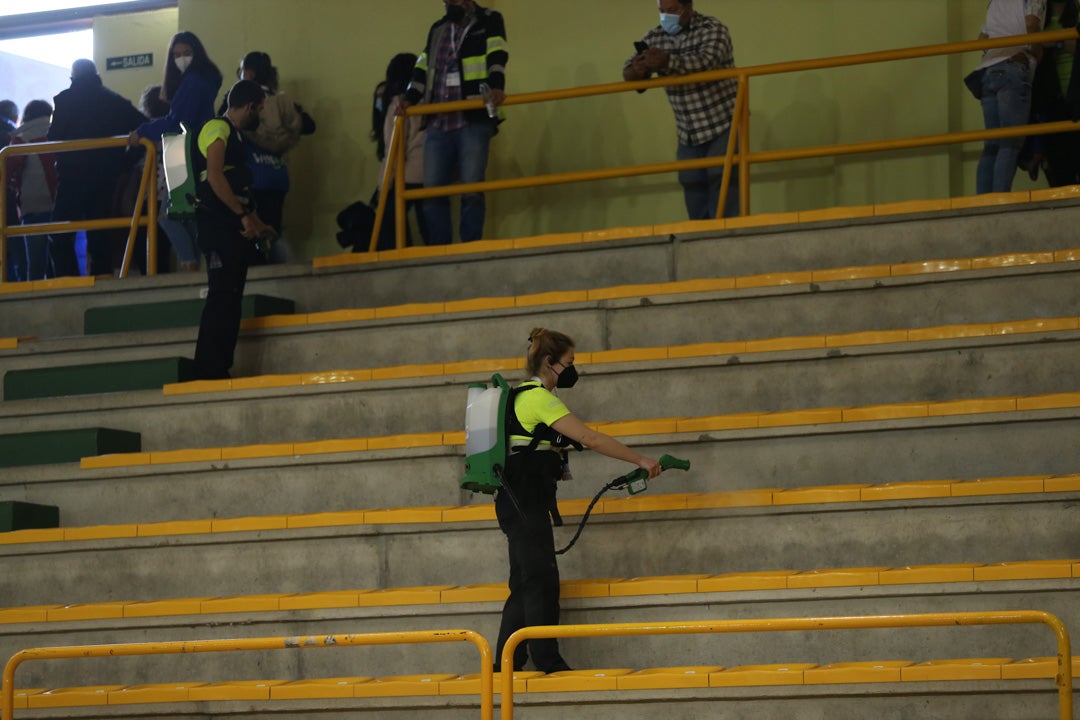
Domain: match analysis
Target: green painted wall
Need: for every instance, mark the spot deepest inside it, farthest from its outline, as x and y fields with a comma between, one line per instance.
x=331, y=53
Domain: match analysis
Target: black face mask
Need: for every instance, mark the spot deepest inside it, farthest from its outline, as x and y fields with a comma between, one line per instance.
x=567, y=378
x=455, y=13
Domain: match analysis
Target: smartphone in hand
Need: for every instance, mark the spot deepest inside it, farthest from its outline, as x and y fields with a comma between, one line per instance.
x=640, y=47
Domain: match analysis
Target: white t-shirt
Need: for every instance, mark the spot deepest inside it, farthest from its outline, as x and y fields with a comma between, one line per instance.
x=1009, y=17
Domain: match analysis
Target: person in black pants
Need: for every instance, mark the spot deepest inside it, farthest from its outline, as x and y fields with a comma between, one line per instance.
x=539, y=425
x=228, y=227
x=87, y=179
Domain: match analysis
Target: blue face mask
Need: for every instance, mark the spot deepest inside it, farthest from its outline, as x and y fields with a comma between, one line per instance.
x=672, y=24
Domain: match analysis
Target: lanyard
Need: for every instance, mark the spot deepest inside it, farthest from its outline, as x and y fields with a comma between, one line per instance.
x=454, y=44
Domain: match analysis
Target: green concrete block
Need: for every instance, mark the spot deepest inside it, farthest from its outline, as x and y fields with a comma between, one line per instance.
x=65, y=446
x=95, y=379
x=174, y=314
x=27, y=516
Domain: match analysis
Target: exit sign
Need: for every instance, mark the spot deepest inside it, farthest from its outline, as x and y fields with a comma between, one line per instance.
x=129, y=62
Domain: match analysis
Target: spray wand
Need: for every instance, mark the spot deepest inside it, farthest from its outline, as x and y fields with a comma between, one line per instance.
x=635, y=482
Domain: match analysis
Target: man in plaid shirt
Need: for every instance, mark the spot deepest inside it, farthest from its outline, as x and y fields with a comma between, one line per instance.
x=688, y=42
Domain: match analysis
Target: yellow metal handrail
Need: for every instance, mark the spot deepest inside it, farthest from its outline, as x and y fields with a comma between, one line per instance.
x=740, y=136
x=147, y=193
x=1063, y=679
x=247, y=644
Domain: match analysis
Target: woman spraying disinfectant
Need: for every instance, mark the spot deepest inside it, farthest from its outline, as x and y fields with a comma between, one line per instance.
x=539, y=427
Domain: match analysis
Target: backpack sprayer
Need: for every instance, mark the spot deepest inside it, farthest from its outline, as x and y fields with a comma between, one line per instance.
x=487, y=447
x=180, y=161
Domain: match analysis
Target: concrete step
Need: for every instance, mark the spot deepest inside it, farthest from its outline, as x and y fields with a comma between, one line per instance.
x=18, y=450
x=173, y=314
x=573, y=510
x=982, y=296
x=761, y=382
x=1013, y=700
x=1056, y=597
x=961, y=447
x=715, y=541
x=96, y=379
x=643, y=259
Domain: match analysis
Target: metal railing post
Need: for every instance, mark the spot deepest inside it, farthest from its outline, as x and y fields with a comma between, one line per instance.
x=734, y=132
x=744, y=154
x=152, y=207
x=388, y=176
x=401, y=222
x=136, y=218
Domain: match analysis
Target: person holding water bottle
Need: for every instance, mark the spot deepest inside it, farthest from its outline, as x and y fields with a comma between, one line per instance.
x=464, y=59
x=526, y=507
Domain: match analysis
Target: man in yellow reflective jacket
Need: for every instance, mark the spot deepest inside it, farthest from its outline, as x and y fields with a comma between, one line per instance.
x=464, y=59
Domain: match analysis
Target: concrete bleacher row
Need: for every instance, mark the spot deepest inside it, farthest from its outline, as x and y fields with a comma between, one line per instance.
x=814, y=406
x=543, y=301
x=608, y=679
x=620, y=429
x=628, y=256
x=765, y=497
x=696, y=350
x=759, y=580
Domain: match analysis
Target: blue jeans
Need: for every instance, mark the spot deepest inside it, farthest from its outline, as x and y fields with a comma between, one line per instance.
x=701, y=188
x=466, y=151
x=1006, y=102
x=181, y=233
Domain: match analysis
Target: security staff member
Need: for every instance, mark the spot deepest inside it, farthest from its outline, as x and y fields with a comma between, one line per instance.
x=532, y=476
x=228, y=227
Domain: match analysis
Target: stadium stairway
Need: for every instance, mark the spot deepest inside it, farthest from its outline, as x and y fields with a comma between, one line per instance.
x=761, y=416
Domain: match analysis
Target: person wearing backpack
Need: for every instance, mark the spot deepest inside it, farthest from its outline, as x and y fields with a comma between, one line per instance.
x=229, y=227
x=526, y=506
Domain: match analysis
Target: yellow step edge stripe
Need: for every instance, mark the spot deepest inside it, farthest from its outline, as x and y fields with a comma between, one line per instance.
x=783, y=344
x=743, y=282
x=832, y=494
x=692, y=226
x=651, y=426
x=64, y=283
x=605, y=587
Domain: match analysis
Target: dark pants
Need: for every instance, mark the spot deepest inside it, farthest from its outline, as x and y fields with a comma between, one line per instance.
x=701, y=188
x=1063, y=159
x=227, y=261
x=82, y=200
x=534, y=572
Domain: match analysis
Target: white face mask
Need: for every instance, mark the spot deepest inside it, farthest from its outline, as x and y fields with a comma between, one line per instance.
x=183, y=62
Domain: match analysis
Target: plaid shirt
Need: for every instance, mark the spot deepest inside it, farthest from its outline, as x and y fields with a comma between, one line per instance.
x=446, y=60
x=703, y=111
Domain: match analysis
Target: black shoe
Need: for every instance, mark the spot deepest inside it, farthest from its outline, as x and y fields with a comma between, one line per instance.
x=559, y=666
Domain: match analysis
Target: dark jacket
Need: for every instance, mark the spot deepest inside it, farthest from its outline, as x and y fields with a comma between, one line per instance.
x=482, y=59
x=7, y=129
x=192, y=105
x=88, y=109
